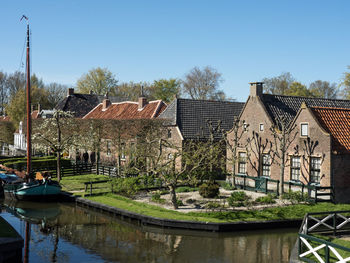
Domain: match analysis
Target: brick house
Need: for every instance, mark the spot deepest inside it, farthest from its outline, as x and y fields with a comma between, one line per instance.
x=131, y=113
x=320, y=149
x=81, y=104
x=187, y=119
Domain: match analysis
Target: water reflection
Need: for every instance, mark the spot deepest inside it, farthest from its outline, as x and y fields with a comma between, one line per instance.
x=75, y=234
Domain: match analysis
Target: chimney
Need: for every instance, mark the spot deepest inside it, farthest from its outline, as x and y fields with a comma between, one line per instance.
x=256, y=89
x=70, y=91
x=142, y=100
x=105, y=104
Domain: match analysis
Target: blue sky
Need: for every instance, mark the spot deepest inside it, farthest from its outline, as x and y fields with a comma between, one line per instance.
x=147, y=40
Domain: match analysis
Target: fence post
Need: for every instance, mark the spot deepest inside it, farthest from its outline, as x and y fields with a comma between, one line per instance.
x=334, y=224
x=244, y=181
x=90, y=188
x=266, y=183
x=326, y=253
x=109, y=171
x=302, y=189
x=103, y=170
x=315, y=195
x=289, y=186
x=278, y=187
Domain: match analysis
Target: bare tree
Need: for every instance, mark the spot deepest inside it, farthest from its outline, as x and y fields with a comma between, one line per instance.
x=324, y=89
x=280, y=84
x=283, y=135
x=58, y=133
x=255, y=148
x=56, y=93
x=238, y=129
x=203, y=84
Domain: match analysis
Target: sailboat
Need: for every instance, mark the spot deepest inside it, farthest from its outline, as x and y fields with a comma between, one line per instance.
x=30, y=189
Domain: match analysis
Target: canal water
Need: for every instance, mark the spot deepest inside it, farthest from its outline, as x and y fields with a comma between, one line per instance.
x=64, y=232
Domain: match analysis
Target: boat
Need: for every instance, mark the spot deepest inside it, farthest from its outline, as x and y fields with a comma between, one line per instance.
x=40, y=188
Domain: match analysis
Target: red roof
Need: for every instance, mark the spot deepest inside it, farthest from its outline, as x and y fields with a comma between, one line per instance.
x=337, y=122
x=4, y=118
x=127, y=110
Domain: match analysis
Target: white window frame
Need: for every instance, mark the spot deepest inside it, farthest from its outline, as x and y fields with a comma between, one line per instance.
x=242, y=162
x=261, y=127
x=266, y=166
x=295, y=168
x=302, y=134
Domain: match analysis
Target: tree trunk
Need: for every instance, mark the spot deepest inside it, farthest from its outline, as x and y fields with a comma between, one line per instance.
x=173, y=196
x=281, y=186
x=58, y=166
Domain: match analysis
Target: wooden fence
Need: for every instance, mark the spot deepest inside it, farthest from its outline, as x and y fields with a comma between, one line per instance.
x=313, y=248
x=266, y=185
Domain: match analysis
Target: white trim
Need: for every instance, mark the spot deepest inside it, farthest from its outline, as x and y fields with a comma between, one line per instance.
x=178, y=130
x=301, y=130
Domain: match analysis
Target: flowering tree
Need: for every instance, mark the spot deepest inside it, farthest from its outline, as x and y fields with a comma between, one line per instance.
x=58, y=133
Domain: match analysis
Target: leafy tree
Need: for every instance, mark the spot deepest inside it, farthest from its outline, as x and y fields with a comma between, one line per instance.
x=57, y=133
x=345, y=84
x=6, y=132
x=298, y=89
x=279, y=85
x=203, y=84
x=165, y=90
x=324, y=89
x=98, y=80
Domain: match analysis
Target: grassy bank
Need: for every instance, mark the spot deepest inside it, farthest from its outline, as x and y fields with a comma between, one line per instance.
x=75, y=184
x=275, y=213
x=5, y=230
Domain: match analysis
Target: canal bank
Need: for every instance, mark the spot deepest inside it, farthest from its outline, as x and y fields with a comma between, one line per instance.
x=182, y=224
x=11, y=243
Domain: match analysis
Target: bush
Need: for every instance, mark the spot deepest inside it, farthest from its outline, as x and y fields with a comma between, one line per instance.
x=295, y=197
x=209, y=189
x=36, y=163
x=213, y=205
x=268, y=199
x=156, y=198
x=185, y=189
x=179, y=203
x=190, y=201
x=126, y=186
x=238, y=198
x=228, y=186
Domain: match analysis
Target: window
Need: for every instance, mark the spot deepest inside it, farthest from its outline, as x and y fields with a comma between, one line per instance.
x=242, y=163
x=261, y=127
x=315, y=169
x=169, y=134
x=109, y=143
x=304, y=129
x=122, y=151
x=245, y=126
x=295, y=168
x=266, y=165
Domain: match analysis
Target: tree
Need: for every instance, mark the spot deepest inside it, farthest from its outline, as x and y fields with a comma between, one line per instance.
x=6, y=132
x=298, y=89
x=279, y=85
x=345, y=84
x=131, y=91
x=324, y=89
x=238, y=129
x=165, y=90
x=283, y=135
x=16, y=82
x=3, y=92
x=58, y=133
x=203, y=84
x=56, y=93
x=98, y=80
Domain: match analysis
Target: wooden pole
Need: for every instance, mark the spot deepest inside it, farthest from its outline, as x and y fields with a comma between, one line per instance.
x=29, y=119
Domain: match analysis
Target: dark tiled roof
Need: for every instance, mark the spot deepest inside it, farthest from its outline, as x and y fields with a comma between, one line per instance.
x=81, y=104
x=337, y=122
x=191, y=116
x=127, y=110
x=288, y=106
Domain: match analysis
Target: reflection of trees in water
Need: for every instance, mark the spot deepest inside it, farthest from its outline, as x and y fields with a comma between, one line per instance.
x=128, y=243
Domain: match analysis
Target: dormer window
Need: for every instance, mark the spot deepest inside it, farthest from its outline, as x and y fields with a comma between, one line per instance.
x=304, y=129
x=261, y=127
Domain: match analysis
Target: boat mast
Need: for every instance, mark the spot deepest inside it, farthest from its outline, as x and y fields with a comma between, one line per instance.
x=29, y=117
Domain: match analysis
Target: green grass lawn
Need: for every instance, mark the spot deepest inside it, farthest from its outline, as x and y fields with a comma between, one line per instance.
x=75, y=184
x=6, y=230
x=275, y=213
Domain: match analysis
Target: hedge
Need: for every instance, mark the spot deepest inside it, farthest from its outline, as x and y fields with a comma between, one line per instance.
x=36, y=163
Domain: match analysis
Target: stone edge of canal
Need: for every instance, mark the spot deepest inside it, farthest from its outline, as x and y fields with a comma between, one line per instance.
x=11, y=247
x=188, y=225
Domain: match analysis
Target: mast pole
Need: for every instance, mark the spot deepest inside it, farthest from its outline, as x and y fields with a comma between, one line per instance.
x=29, y=117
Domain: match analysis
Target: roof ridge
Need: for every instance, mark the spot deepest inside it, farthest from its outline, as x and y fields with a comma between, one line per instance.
x=221, y=101
x=331, y=108
x=290, y=96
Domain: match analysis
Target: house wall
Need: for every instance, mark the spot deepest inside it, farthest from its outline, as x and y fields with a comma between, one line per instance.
x=341, y=178
x=177, y=141
x=255, y=114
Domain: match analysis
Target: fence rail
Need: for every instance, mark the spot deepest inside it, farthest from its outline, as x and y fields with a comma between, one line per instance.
x=268, y=185
x=316, y=249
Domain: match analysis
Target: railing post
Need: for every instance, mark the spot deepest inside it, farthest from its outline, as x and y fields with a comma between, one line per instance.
x=326, y=253
x=266, y=182
x=334, y=224
x=244, y=181
x=315, y=194
x=299, y=246
x=302, y=189
x=278, y=187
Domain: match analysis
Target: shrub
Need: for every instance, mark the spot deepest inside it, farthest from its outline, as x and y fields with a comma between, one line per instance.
x=185, y=189
x=126, y=186
x=268, y=199
x=36, y=163
x=228, y=186
x=190, y=201
x=156, y=198
x=209, y=189
x=238, y=198
x=213, y=205
x=295, y=197
x=179, y=203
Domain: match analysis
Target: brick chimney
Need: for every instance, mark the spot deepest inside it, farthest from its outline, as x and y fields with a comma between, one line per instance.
x=105, y=104
x=142, y=100
x=70, y=91
x=256, y=89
